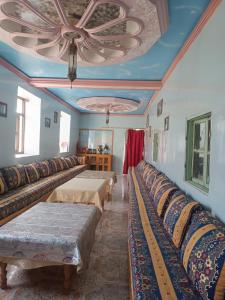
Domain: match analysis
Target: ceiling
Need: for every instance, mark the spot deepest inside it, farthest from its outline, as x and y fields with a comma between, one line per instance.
x=183, y=16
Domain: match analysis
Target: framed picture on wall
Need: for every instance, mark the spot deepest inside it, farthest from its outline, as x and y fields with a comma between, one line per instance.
x=47, y=122
x=3, y=109
x=160, y=108
x=56, y=116
x=166, y=123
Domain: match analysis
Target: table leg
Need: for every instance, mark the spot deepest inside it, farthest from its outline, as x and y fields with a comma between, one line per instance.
x=3, y=276
x=68, y=272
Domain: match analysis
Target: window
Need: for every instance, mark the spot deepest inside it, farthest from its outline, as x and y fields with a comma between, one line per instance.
x=20, y=124
x=155, y=146
x=198, y=151
x=64, y=134
x=27, y=124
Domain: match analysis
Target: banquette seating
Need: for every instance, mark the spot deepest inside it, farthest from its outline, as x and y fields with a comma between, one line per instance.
x=22, y=186
x=176, y=248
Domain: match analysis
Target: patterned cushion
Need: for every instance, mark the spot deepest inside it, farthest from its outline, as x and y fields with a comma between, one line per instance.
x=162, y=197
x=73, y=159
x=160, y=181
x=3, y=185
x=64, y=163
x=32, y=173
x=59, y=164
x=43, y=168
x=15, y=176
x=141, y=165
x=204, y=261
x=69, y=162
x=177, y=216
x=81, y=160
x=53, y=166
x=199, y=219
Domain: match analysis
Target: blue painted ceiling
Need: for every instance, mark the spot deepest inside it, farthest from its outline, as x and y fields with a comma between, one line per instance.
x=183, y=14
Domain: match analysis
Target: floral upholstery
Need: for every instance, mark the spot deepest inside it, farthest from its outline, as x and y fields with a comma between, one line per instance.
x=69, y=162
x=3, y=185
x=81, y=160
x=204, y=261
x=156, y=272
x=43, y=168
x=15, y=176
x=59, y=164
x=162, y=197
x=21, y=197
x=53, y=166
x=160, y=181
x=73, y=158
x=65, y=164
x=32, y=173
x=177, y=216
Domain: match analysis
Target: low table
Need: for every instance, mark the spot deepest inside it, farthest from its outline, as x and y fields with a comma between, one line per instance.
x=110, y=176
x=81, y=190
x=49, y=234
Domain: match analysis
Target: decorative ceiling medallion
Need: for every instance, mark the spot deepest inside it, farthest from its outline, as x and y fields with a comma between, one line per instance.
x=105, y=31
x=111, y=104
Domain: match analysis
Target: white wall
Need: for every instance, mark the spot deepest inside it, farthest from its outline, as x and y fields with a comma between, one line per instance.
x=197, y=86
x=49, y=137
x=119, y=124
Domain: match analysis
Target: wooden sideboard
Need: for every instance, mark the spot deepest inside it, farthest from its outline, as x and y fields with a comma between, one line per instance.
x=99, y=162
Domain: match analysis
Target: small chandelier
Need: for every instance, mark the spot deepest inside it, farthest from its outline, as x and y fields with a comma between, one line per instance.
x=107, y=116
x=72, y=63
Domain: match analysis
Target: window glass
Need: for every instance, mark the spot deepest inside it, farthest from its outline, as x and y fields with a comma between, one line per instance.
x=198, y=151
x=64, y=135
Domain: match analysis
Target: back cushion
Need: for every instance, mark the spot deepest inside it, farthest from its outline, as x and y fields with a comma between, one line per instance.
x=58, y=163
x=81, y=160
x=69, y=162
x=14, y=176
x=43, y=168
x=162, y=197
x=73, y=160
x=160, y=181
x=177, y=216
x=204, y=260
x=53, y=166
x=32, y=173
x=64, y=163
x=3, y=185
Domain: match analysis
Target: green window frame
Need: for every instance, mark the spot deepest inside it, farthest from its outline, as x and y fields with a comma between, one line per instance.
x=155, y=146
x=198, y=151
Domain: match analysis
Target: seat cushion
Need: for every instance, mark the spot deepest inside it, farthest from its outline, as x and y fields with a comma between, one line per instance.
x=15, y=176
x=43, y=168
x=3, y=185
x=32, y=173
x=177, y=216
x=204, y=260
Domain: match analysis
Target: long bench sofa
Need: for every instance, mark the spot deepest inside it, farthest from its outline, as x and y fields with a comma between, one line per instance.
x=176, y=247
x=22, y=186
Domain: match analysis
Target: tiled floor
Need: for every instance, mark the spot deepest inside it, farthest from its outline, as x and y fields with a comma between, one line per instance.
x=107, y=275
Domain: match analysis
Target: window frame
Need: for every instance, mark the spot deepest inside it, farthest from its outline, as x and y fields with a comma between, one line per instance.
x=18, y=116
x=190, y=150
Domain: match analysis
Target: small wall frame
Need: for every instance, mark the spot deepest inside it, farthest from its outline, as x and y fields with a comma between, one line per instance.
x=56, y=116
x=160, y=108
x=166, y=123
x=3, y=109
x=47, y=122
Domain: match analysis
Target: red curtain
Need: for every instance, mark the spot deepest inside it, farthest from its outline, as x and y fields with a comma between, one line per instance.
x=134, y=149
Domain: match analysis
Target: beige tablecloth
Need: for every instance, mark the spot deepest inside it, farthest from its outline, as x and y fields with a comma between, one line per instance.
x=108, y=175
x=82, y=190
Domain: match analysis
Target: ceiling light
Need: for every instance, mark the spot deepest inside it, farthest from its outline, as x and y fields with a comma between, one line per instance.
x=72, y=62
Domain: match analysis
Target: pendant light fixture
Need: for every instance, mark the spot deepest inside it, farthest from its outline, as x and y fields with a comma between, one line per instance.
x=72, y=63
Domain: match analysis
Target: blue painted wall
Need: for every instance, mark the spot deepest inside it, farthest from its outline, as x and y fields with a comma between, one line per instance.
x=119, y=124
x=49, y=137
x=197, y=86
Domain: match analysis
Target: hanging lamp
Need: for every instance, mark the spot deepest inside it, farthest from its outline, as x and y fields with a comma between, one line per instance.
x=72, y=62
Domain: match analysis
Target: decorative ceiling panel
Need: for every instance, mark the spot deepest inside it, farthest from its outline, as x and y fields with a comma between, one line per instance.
x=105, y=31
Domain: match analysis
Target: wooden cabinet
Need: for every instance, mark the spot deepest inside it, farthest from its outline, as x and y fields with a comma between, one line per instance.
x=99, y=162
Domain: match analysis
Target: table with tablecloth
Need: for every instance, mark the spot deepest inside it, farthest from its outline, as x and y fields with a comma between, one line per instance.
x=82, y=190
x=50, y=234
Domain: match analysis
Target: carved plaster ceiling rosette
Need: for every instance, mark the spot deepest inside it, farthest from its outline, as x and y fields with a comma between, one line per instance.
x=111, y=104
x=105, y=31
